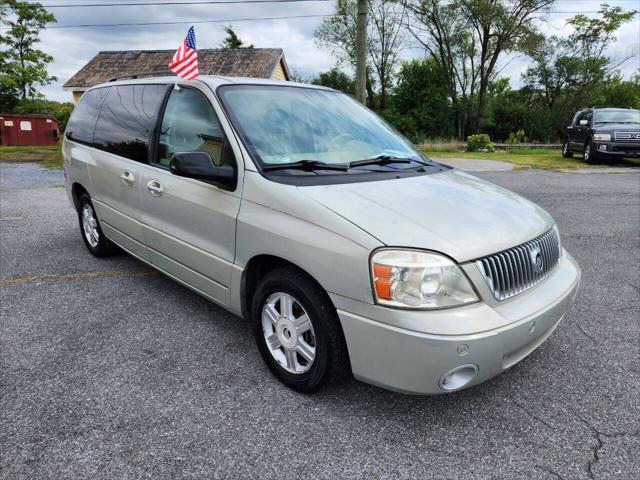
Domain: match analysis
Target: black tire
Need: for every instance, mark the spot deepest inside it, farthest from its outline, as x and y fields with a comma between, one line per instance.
x=103, y=247
x=331, y=362
x=589, y=153
x=566, y=149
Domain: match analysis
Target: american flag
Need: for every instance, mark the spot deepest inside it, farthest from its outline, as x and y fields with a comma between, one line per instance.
x=185, y=61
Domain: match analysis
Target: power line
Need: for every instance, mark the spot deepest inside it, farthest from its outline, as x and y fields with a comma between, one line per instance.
x=229, y=20
x=233, y=2
x=206, y=2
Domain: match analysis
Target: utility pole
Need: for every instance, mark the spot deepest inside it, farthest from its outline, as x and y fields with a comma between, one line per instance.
x=361, y=52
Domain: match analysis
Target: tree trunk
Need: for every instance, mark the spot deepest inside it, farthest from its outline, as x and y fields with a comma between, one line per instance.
x=370, y=97
x=482, y=105
x=361, y=52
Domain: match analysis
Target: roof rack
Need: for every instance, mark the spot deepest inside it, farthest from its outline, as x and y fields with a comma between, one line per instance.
x=142, y=74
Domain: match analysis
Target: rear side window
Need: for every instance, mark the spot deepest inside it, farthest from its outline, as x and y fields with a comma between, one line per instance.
x=83, y=119
x=127, y=119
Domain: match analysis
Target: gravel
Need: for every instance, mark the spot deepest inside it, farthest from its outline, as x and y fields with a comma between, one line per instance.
x=124, y=373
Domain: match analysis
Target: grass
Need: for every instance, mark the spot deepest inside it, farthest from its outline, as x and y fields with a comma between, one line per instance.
x=49, y=157
x=533, y=158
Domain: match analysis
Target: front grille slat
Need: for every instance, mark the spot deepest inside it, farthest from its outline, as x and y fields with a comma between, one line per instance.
x=545, y=250
x=527, y=273
x=513, y=271
x=494, y=274
x=502, y=278
x=631, y=137
x=506, y=272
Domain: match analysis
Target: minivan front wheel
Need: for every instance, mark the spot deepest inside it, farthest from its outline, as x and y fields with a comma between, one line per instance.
x=297, y=330
x=94, y=239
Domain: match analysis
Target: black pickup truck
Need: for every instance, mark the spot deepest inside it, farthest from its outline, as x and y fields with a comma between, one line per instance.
x=601, y=132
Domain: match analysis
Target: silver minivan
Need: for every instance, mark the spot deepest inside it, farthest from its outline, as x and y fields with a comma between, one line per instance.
x=293, y=206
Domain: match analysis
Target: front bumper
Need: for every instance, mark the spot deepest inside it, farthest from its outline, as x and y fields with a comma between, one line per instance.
x=410, y=351
x=618, y=149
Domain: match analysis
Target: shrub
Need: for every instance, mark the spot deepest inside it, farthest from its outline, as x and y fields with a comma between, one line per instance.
x=518, y=137
x=61, y=111
x=479, y=143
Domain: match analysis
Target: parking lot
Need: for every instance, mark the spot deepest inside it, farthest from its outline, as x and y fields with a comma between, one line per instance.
x=108, y=369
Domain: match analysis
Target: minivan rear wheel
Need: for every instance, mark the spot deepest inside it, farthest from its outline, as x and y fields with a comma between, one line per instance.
x=297, y=330
x=94, y=239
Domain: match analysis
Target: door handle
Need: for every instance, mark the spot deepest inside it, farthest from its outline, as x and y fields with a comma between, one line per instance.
x=154, y=188
x=127, y=178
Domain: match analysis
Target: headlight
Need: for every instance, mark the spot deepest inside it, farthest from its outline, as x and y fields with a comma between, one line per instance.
x=602, y=137
x=415, y=279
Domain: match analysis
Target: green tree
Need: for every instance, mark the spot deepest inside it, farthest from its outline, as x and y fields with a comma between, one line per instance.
x=467, y=38
x=232, y=40
x=618, y=92
x=510, y=111
x=23, y=67
x=61, y=111
x=336, y=79
x=568, y=73
x=385, y=37
x=420, y=105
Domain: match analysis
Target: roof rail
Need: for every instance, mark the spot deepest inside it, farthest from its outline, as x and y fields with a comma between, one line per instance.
x=143, y=74
x=602, y=106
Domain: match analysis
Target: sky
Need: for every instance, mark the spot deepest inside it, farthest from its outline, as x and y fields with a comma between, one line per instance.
x=73, y=47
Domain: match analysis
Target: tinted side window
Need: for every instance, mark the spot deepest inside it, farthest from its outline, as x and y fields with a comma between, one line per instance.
x=127, y=119
x=588, y=116
x=83, y=119
x=577, y=117
x=190, y=124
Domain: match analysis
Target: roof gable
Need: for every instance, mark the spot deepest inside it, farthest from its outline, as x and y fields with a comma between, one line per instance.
x=240, y=62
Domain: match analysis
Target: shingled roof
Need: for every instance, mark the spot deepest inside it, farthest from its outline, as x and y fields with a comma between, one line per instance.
x=241, y=62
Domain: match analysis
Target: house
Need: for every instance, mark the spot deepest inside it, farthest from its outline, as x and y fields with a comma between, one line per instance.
x=240, y=62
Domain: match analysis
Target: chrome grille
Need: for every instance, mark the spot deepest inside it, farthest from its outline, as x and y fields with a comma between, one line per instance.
x=517, y=269
x=633, y=137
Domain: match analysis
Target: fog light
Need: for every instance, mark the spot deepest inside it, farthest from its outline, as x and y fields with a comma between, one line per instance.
x=602, y=148
x=458, y=377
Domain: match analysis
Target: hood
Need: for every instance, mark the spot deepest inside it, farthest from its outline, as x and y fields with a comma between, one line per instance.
x=620, y=127
x=451, y=212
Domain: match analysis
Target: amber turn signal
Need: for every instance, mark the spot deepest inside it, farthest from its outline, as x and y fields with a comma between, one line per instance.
x=382, y=280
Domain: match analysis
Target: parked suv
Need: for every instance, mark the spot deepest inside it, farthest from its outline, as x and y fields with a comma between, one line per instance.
x=297, y=208
x=601, y=132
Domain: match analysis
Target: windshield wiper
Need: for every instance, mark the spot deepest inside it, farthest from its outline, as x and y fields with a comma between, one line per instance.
x=306, y=165
x=384, y=160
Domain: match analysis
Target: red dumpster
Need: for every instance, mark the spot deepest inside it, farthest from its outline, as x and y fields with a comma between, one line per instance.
x=37, y=130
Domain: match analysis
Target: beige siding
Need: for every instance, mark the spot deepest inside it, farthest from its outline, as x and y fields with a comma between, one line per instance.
x=278, y=73
x=77, y=95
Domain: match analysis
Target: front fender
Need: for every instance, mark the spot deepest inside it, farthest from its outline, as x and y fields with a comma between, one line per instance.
x=276, y=219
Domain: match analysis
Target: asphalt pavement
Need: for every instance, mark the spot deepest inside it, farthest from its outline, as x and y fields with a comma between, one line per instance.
x=110, y=370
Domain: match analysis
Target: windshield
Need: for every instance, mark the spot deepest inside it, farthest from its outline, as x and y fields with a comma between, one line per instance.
x=293, y=124
x=617, y=116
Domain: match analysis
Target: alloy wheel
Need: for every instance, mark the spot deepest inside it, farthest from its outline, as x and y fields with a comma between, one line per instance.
x=90, y=226
x=288, y=333
x=587, y=152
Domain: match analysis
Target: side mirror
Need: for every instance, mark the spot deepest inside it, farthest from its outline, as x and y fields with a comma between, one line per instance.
x=584, y=122
x=199, y=165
